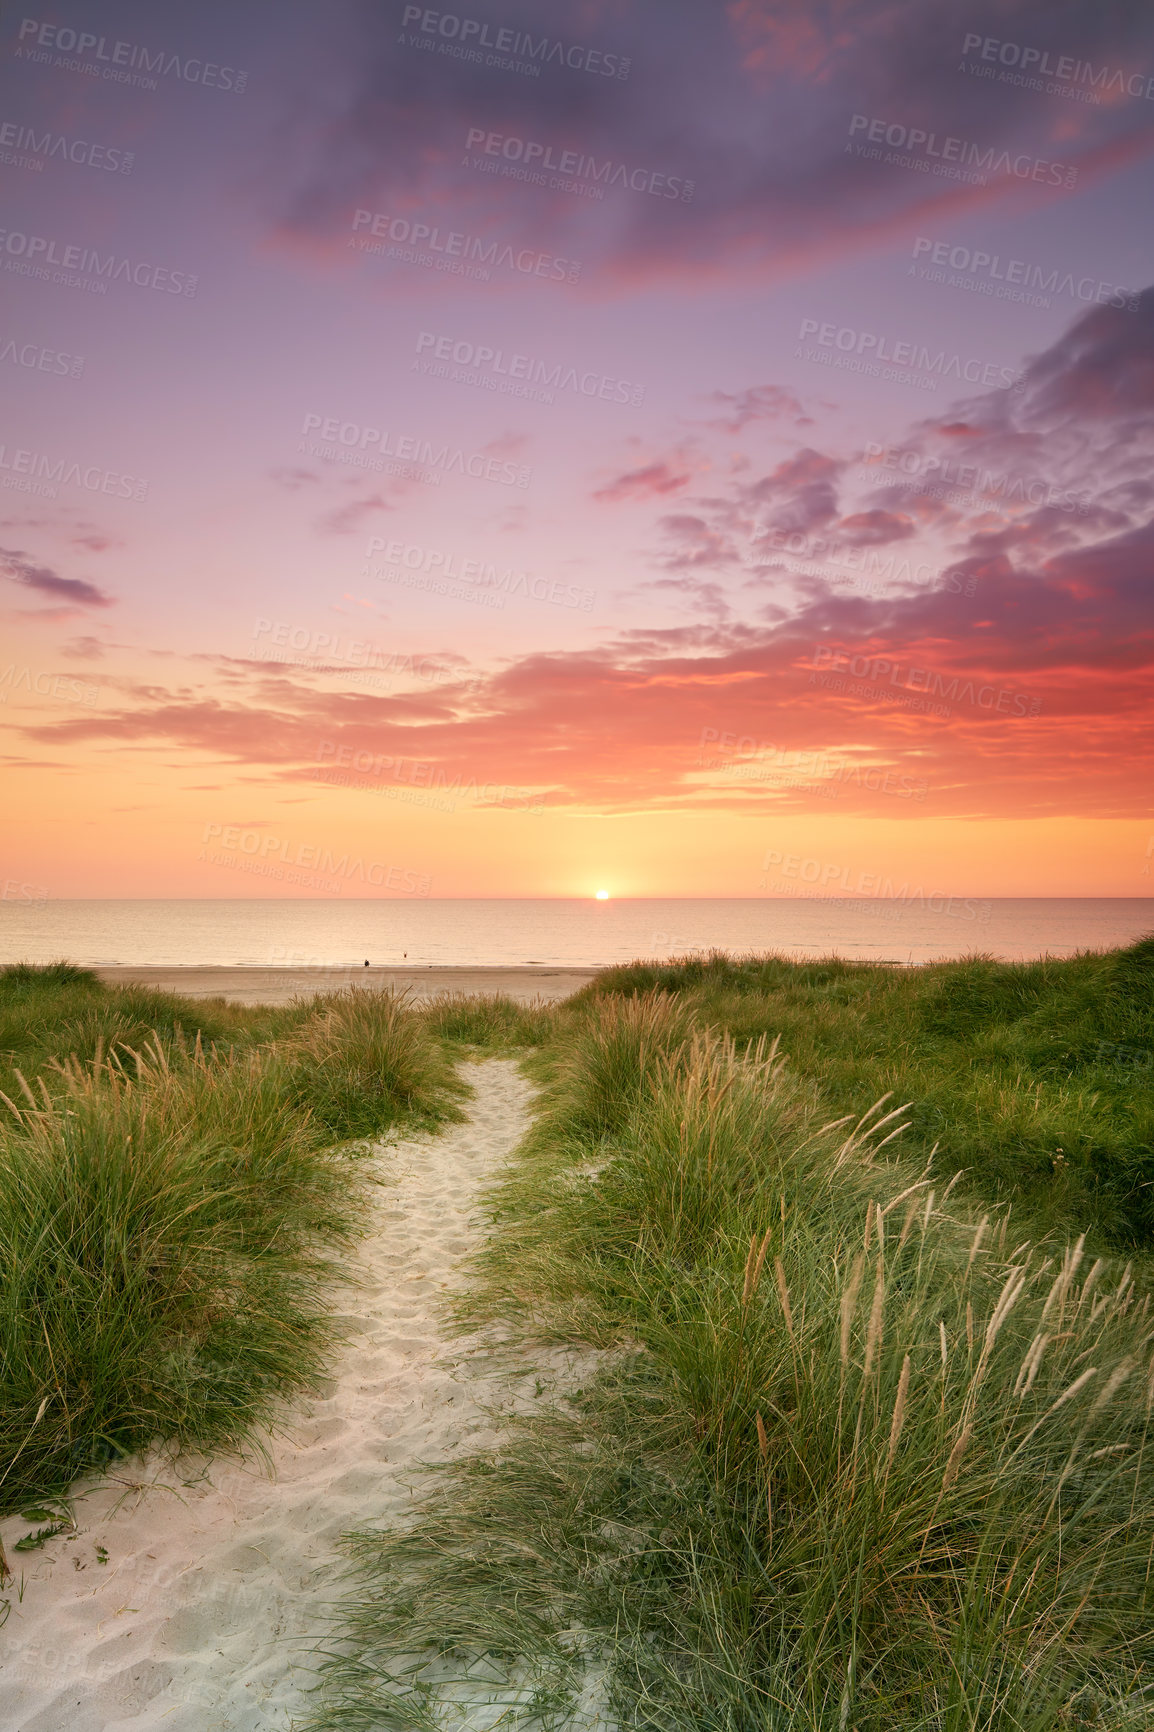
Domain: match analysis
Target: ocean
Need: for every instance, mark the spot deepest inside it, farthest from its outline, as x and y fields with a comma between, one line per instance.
x=558, y=933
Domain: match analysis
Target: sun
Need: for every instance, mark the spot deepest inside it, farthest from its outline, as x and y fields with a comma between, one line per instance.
x=602, y=896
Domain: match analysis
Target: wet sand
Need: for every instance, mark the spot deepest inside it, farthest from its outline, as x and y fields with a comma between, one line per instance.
x=281, y=985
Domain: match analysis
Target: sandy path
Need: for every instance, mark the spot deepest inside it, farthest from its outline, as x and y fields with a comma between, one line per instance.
x=203, y=1617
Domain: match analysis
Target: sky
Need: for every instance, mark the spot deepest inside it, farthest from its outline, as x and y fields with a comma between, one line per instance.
x=541, y=448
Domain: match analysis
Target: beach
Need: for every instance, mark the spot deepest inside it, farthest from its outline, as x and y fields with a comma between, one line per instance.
x=282, y=985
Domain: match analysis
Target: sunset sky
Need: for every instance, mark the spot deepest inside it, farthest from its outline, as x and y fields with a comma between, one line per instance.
x=549, y=447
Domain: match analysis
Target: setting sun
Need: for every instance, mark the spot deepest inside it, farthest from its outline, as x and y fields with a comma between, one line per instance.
x=602, y=896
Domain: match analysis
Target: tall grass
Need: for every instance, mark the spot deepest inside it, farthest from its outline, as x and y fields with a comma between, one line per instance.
x=856, y=1456
x=57, y=1011
x=166, y=1239
x=491, y=1022
x=606, y=1066
x=1035, y=1079
x=172, y=1213
x=364, y=1060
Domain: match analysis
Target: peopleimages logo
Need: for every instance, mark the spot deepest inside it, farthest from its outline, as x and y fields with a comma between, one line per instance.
x=761, y=760
x=442, y=563
x=1003, y=700
x=422, y=773
x=868, y=347
x=971, y=479
x=29, y=256
x=41, y=360
x=329, y=652
x=457, y=250
x=59, y=688
x=953, y=156
x=880, y=568
x=975, y=262
x=277, y=856
x=33, y=472
x=56, y=39
x=521, y=375
x=833, y=879
x=46, y=145
x=1037, y=63
x=365, y=447
x=467, y=35
x=572, y=164
x=32, y=895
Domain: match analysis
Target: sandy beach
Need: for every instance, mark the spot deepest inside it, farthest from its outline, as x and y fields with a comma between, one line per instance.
x=218, y=1577
x=281, y=985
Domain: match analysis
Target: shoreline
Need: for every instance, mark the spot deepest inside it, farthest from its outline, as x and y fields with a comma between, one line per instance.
x=252, y=984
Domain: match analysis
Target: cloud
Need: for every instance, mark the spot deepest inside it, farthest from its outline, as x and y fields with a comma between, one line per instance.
x=1014, y=679
x=799, y=494
x=1065, y=456
x=17, y=566
x=875, y=528
x=352, y=515
x=1063, y=462
x=95, y=540
x=653, y=481
x=711, y=598
x=742, y=111
x=507, y=445
x=79, y=533
x=1102, y=368
x=14, y=763
x=759, y=403
x=293, y=479
x=695, y=544
x=1035, y=702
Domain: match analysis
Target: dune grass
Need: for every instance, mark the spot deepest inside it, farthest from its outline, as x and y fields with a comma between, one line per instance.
x=860, y=1454
x=1035, y=1079
x=868, y=1445
x=488, y=1022
x=362, y=1060
x=174, y=1205
x=166, y=1233
x=57, y=1011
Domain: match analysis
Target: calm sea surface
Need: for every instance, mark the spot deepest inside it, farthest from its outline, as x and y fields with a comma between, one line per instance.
x=577, y=933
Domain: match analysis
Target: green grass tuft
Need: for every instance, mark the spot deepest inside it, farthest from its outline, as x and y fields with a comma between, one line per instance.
x=363, y=1060
x=167, y=1232
x=1036, y=1079
x=60, y=1011
x=32, y=974
x=173, y=1211
x=491, y=1022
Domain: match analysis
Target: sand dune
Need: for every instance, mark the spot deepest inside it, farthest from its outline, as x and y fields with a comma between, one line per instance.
x=204, y=1616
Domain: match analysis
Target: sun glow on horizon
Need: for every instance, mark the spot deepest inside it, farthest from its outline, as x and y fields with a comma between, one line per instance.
x=602, y=896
